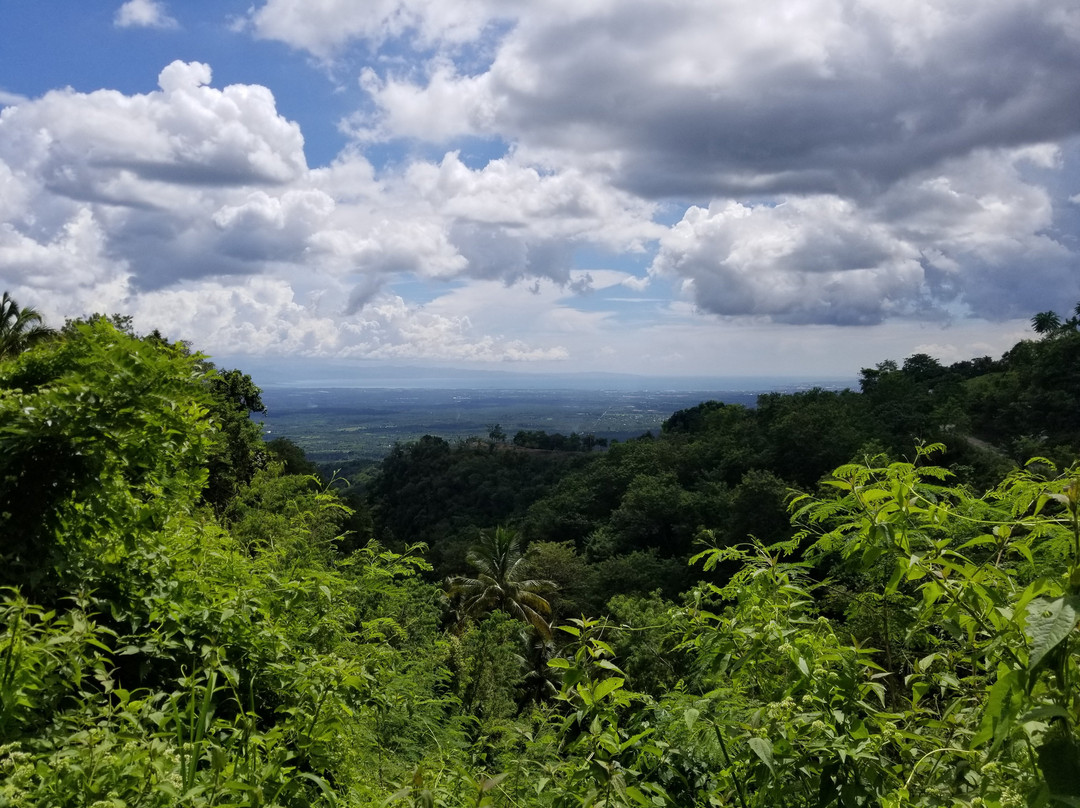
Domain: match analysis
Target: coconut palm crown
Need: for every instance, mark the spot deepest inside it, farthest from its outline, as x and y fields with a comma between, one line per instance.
x=499, y=561
x=1045, y=322
x=20, y=328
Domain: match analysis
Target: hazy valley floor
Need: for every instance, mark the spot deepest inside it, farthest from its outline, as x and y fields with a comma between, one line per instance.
x=334, y=424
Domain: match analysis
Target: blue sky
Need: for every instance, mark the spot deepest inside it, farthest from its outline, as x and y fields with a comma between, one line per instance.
x=795, y=187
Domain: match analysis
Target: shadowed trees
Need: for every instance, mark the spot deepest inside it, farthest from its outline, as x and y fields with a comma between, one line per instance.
x=240, y=452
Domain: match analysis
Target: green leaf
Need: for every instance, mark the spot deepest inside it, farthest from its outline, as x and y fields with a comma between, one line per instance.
x=764, y=750
x=607, y=686
x=925, y=663
x=603, y=663
x=1023, y=549
x=586, y=696
x=915, y=570
x=1002, y=706
x=879, y=689
x=1048, y=623
x=327, y=792
x=918, y=690
x=690, y=716
x=633, y=740
x=872, y=552
x=978, y=540
x=931, y=593
x=400, y=794
x=490, y=782
x=1045, y=711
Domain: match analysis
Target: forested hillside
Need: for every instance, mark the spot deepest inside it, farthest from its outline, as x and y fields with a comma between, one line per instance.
x=810, y=602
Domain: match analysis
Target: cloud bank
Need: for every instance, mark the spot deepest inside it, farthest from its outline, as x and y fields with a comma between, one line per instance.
x=801, y=163
x=191, y=198
x=845, y=162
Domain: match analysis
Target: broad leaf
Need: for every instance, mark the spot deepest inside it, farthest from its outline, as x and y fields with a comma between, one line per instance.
x=1048, y=623
x=764, y=750
x=1002, y=706
x=607, y=686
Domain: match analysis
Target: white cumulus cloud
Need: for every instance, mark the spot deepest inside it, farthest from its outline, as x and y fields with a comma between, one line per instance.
x=971, y=237
x=143, y=14
x=838, y=163
x=323, y=28
x=193, y=200
x=512, y=168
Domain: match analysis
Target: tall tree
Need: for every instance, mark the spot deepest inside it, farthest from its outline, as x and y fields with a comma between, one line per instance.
x=499, y=582
x=1046, y=322
x=20, y=328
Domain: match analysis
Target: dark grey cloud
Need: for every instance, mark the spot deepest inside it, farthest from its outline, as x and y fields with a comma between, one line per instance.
x=363, y=293
x=510, y=253
x=862, y=110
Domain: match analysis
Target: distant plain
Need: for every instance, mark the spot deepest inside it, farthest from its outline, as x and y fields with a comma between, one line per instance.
x=354, y=425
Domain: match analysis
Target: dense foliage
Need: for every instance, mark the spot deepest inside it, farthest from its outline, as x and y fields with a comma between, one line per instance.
x=154, y=653
x=442, y=494
x=189, y=617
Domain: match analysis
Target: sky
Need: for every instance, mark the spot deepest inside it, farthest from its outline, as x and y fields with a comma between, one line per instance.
x=690, y=187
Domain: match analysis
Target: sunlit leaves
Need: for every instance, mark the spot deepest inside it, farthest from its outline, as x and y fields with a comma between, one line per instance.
x=1048, y=624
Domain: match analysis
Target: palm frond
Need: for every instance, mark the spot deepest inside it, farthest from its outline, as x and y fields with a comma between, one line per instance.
x=497, y=558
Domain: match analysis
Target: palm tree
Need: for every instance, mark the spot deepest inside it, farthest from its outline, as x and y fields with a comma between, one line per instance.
x=498, y=561
x=20, y=328
x=1046, y=322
